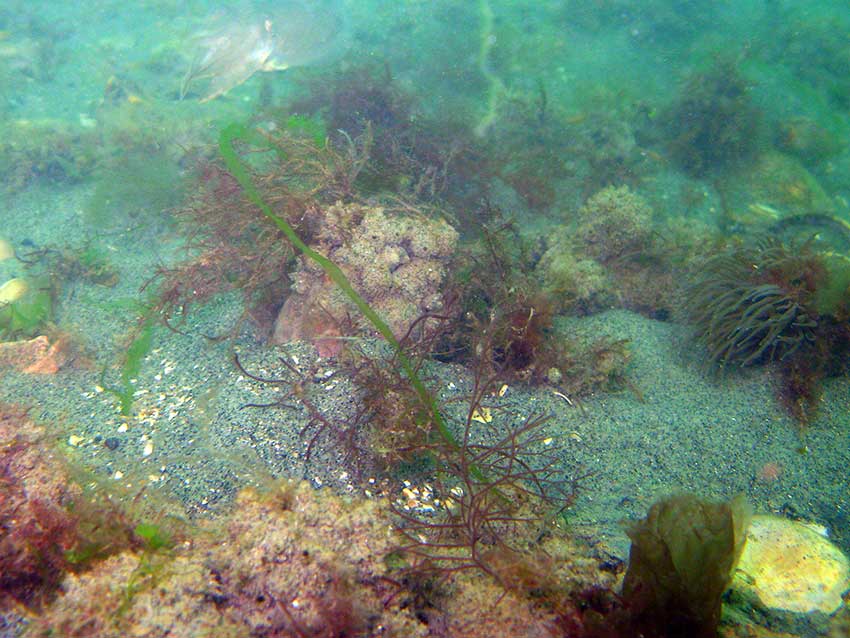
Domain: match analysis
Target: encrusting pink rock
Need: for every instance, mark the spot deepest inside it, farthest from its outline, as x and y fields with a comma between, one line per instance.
x=395, y=261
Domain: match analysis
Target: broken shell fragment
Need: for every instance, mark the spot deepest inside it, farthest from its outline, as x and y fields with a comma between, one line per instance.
x=6, y=250
x=13, y=290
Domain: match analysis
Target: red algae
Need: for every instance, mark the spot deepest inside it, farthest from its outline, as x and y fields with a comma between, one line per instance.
x=37, y=527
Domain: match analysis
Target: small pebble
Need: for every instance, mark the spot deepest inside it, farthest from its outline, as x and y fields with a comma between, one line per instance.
x=112, y=443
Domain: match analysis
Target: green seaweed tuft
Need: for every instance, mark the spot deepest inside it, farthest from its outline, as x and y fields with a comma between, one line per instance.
x=310, y=127
x=136, y=352
x=153, y=536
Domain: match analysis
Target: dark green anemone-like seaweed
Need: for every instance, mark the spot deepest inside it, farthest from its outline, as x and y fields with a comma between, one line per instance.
x=755, y=303
x=768, y=301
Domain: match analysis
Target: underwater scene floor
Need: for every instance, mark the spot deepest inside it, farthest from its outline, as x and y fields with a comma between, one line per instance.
x=568, y=332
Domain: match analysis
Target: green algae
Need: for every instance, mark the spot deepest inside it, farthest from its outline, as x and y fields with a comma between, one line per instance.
x=153, y=536
x=311, y=127
x=26, y=317
x=136, y=352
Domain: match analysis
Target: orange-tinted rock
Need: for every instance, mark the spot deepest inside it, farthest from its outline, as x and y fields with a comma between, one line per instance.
x=34, y=356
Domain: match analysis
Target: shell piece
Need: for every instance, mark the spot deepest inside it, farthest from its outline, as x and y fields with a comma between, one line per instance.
x=13, y=290
x=6, y=250
x=792, y=566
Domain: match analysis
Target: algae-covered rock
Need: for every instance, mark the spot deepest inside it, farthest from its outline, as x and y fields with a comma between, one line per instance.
x=773, y=187
x=615, y=222
x=46, y=150
x=611, y=257
x=296, y=562
x=576, y=284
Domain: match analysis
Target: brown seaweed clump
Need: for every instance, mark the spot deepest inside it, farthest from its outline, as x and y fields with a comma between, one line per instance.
x=408, y=154
x=680, y=563
x=714, y=123
x=50, y=523
x=37, y=527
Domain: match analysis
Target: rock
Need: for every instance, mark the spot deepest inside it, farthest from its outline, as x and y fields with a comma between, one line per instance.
x=34, y=356
x=6, y=250
x=790, y=574
x=774, y=186
x=395, y=261
x=13, y=290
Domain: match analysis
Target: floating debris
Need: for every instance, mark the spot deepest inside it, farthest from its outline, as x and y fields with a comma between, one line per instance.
x=237, y=47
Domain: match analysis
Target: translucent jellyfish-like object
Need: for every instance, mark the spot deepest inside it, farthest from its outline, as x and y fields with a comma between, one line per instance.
x=240, y=45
